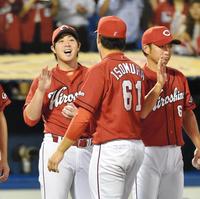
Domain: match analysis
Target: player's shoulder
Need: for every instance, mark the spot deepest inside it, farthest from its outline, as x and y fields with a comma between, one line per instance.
x=175, y=72
x=98, y=66
x=82, y=67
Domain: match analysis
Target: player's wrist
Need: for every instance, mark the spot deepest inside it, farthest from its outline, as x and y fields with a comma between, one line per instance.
x=3, y=153
x=61, y=150
x=4, y=159
x=40, y=91
x=158, y=87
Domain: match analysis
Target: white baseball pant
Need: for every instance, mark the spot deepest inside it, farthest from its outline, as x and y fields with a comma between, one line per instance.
x=161, y=174
x=113, y=168
x=73, y=172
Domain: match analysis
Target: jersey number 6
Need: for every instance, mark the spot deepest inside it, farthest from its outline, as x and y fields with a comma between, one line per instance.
x=127, y=87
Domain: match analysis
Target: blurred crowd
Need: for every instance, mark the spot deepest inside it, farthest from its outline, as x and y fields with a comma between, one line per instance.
x=27, y=25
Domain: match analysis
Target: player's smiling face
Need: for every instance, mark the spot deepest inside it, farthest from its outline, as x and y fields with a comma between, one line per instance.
x=67, y=48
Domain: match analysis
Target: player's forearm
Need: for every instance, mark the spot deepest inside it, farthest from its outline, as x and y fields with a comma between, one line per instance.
x=3, y=137
x=34, y=109
x=65, y=144
x=150, y=100
x=191, y=127
x=78, y=124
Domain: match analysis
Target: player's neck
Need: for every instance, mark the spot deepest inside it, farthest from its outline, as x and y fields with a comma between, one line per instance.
x=152, y=65
x=68, y=66
x=105, y=52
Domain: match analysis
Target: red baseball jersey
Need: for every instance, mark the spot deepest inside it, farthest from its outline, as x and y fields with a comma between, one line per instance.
x=114, y=93
x=4, y=100
x=163, y=126
x=63, y=90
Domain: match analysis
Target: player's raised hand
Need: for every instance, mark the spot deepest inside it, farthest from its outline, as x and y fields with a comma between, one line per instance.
x=54, y=161
x=69, y=110
x=161, y=72
x=4, y=171
x=44, y=79
x=196, y=159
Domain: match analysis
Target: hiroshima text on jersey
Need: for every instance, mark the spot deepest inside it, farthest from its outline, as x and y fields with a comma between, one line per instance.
x=125, y=68
x=58, y=97
x=175, y=96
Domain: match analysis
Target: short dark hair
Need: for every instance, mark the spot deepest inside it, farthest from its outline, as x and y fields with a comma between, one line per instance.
x=113, y=43
x=63, y=34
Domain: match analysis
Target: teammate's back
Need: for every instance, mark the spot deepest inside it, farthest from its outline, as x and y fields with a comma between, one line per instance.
x=121, y=98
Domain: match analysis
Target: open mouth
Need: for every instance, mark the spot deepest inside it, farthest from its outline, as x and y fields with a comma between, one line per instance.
x=68, y=52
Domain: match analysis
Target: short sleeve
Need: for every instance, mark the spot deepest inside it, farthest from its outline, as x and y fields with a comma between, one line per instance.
x=93, y=89
x=189, y=103
x=32, y=90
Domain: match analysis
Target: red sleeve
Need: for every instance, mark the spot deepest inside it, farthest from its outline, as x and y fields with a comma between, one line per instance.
x=29, y=97
x=78, y=124
x=4, y=100
x=189, y=103
x=28, y=121
x=31, y=93
x=93, y=89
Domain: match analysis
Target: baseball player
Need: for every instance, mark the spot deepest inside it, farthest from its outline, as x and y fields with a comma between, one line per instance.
x=4, y=167
x=114, y=94
x=161, y=173
x=51, y=97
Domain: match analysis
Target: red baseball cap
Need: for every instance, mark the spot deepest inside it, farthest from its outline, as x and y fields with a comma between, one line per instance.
x=158, y=35
x=112, y=27
x=64, y=29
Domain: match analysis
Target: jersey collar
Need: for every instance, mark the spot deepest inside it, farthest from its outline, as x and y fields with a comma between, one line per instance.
x=62, y=76
x=116, y=56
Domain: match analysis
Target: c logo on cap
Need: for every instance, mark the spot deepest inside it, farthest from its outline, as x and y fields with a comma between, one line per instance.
x=166, y=33
x=115, y=33
x=63, y=27
x=66, y=27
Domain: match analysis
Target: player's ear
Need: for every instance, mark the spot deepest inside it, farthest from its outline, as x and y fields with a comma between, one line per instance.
x=98, y=38
x=53, y=49
x=146, y=49
x=79, y=46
